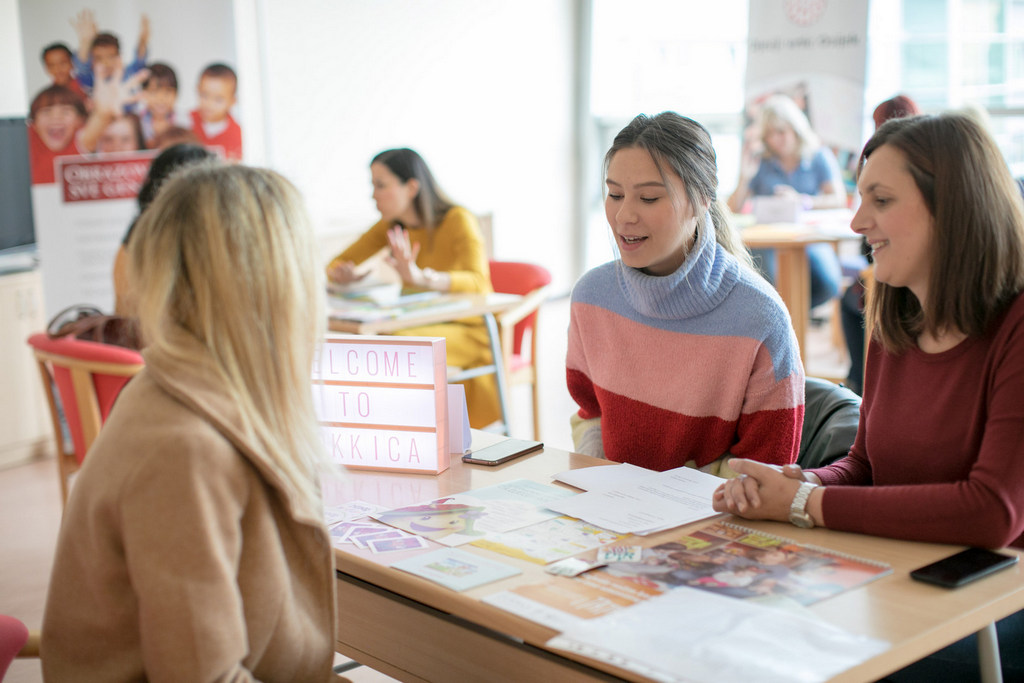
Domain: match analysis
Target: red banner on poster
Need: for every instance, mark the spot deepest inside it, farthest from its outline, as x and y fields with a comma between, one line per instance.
x=83, y=179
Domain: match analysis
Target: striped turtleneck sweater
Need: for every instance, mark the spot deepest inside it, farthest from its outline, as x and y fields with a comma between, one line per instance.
x=687, y=367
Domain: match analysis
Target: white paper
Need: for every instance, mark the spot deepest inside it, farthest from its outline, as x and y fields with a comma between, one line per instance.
x=668, y=499
x=693, y=636
x=603, y=477
x=778, y=209
x=356, y=509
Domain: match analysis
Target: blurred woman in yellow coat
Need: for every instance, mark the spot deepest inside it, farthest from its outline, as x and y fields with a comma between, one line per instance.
x=435, y=245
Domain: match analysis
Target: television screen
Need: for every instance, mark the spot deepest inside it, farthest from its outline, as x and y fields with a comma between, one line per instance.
x=17, y=229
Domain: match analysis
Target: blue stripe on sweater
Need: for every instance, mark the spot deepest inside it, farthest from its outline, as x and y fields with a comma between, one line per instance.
x=752, y=308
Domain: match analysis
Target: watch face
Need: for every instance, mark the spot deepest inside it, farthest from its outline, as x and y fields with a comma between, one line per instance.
x=802, y=520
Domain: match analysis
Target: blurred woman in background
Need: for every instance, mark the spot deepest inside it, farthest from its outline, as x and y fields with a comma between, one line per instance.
x=434, y=245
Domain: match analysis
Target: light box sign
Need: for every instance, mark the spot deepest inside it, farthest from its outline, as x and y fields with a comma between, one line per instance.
x=382, y=402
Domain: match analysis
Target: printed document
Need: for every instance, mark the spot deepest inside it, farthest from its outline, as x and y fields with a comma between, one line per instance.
x=661, y=501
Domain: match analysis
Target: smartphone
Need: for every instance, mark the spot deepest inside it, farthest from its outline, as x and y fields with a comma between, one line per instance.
x=963, y=567
x=503, y=451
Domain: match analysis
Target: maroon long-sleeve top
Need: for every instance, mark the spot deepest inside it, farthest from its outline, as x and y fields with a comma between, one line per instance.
x=939, y=455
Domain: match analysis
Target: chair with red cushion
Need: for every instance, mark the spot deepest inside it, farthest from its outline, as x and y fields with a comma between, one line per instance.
x=518, y=326
x=15, y=641
x=88, y=377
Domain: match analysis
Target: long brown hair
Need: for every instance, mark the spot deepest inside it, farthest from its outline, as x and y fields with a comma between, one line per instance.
x=431, y=202
x=977, y=254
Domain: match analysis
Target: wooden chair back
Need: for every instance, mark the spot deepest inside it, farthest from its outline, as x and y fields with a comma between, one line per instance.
x=82, y=379
x=518, y=327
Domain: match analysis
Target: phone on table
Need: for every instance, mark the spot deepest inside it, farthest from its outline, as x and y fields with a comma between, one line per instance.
x=503, y=451
x=963, y=567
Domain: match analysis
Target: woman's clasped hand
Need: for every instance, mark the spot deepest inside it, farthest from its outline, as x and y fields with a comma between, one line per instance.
x=760, y=491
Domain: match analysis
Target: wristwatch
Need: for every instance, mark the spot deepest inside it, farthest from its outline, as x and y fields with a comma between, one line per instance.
x=798, y=514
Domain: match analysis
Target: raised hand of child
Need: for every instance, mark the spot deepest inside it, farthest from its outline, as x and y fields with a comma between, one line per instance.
x=84, y=24
x=143, y=45
x=107, y=91
x=112, y=92
x=131, y=89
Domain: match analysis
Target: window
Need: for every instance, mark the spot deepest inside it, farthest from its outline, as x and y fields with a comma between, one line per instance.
x=690, y=56
x=648, y=56
x=955, y=54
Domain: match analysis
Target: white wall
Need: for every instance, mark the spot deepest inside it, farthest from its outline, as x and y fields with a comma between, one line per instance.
x=483, y=90
x=13, y=101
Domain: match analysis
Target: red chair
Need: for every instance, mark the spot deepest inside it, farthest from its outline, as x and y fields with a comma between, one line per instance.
x=88, y=377
x=15, y=641
x=518, y=326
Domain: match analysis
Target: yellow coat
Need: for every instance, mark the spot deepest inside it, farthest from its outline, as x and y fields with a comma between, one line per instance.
x=456, y=247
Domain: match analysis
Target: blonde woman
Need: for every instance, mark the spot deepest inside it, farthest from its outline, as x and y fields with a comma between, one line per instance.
x=794, y=162
x=193, y=547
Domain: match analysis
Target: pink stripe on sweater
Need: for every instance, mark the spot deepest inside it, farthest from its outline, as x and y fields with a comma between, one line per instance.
x=661, y=364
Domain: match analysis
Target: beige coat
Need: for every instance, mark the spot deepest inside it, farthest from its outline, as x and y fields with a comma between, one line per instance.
x=182, y=556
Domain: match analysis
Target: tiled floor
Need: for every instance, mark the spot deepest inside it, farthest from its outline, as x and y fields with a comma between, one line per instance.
x=30, y=505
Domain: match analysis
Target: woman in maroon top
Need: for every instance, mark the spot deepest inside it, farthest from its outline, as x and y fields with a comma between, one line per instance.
x=938, y=454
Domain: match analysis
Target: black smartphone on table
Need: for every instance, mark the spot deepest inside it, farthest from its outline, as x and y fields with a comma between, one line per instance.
x=963, y=567
x=503, y=451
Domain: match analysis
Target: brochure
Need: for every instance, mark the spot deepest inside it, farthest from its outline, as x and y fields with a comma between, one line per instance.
x=380, y=538
x=722, y=558
x=562, y=602
x=456, y=569
x=739, y=562
x=465, y=517
x=550, y=540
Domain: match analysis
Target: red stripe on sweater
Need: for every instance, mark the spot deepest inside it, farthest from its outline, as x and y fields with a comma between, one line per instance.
x=659, y=439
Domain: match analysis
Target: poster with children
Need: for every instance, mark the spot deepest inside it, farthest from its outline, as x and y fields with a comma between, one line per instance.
x=111, y=85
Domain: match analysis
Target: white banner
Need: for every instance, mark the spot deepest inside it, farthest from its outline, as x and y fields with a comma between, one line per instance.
x=815, y=51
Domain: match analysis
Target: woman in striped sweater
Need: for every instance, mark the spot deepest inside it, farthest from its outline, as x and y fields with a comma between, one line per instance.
x=679, y=353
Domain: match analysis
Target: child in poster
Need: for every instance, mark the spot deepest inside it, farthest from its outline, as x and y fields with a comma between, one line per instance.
x=159, y=96
x=212, y=121
x=57, y=61
x=56, y=118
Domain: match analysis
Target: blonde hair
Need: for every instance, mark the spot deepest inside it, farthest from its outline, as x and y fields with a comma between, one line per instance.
x=227, y=253
x=778, y=111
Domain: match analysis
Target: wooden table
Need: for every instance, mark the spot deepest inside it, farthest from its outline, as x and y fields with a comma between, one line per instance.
x=793, y=276
x=414, y=630
x=484, y=305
